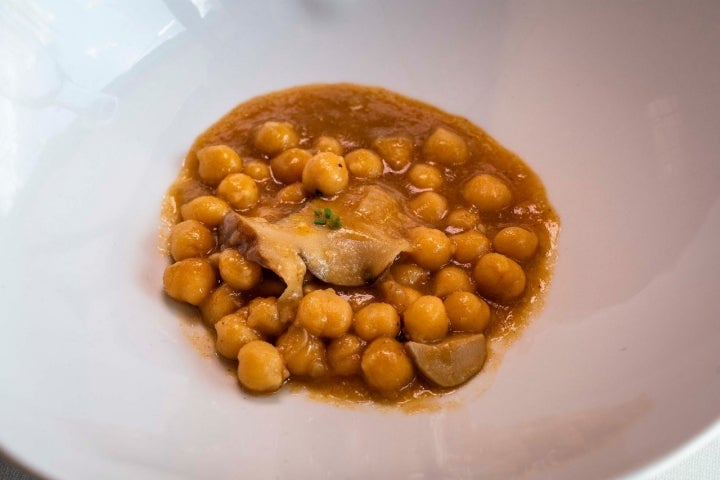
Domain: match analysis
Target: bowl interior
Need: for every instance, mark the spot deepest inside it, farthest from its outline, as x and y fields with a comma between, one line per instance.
x=614, y=105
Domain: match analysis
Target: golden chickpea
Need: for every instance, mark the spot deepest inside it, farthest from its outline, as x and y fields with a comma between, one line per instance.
x=431, y=248
x=328, y=144
x=410, y=274
x=462, y=219
x=516, y=242
x=304, y=354
x=399, y=296
x=274, y=137
x=499, y=277
x=467, y=312
x=288, y=166
x=207, y=209
x=470, y=245
x=386, y=366
x=364, y=163
x=222, y=301
x=451, y=279
x=232, y=333
x=396, y=151
x=261, y=367
x=487, y=192
x=446, y=147
x=324, y=313
x=422, y=175
x=185, y=190
x=190, y=239
x=263, y=316
x=237, y=271
x=430, y=207
x=344, y=354
x=217, y=162
x=376, y=320
x=293, y=194
x=426, y=320
x=189, y=280
x=325, y=174
x=257, y=170
x=214, y=259
x=239, y=190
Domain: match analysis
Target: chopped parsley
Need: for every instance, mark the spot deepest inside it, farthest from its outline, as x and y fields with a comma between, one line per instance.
x=328, y=218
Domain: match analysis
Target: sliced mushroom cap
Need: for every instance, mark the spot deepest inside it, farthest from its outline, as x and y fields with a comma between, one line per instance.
x=372, y=235
x=450, y=362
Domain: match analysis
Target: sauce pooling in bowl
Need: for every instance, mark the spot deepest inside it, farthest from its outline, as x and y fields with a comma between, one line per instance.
x=357, y=242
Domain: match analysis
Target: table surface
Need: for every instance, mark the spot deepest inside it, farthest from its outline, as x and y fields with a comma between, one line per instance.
x=700, y=465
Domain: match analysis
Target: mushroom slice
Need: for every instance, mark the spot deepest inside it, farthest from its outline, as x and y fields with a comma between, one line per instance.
x=369, y=240
x=450, y=362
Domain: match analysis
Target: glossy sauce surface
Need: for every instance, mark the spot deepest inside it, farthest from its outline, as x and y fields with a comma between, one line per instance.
x=357, y=117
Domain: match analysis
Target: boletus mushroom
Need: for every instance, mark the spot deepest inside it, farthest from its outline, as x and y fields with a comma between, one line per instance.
x=450, y=362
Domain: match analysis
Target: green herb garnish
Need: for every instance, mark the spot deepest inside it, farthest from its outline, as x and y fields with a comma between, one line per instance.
x=328, y=218
x=334, y=222
x=319, y=218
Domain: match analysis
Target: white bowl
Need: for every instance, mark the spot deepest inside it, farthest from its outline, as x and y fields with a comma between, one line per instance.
x=614, y=104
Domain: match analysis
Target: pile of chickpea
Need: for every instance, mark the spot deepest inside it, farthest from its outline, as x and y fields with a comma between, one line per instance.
x=441, y=286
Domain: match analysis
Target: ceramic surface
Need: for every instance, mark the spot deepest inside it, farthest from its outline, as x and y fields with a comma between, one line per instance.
x=615, y=104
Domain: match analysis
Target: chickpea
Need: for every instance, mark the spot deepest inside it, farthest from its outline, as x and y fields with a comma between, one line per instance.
x=516, y=242
x=222, y=301
x=410, y=274
x=294, y=193
x=257, y=170
x=499, y=277
x=386, y=366
x=451, y=279
x=324, y=313
x=344, y=354
x=190, y=239
x=214, y=259
x=487, y=192
x=431, y=248
x=469, y=246
x=325, y=174
x=232, y=333
x=304, y=354
x=288, y=166
x=423, y=175
x=328, y=144
x=399, y=296
x=217, y=162
x=239, y=190
x=274, y=137
x=467, y=312
x=430, y=207
x=376, y=320
x=396, y=151
x=237, y=271
x=185, y=190
x=261, y=367
x=263, y=316
x=189, y=280
x=462, y=219
x=426, y=320
x=364, y=163
x=446, y=147
x=207, y=209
